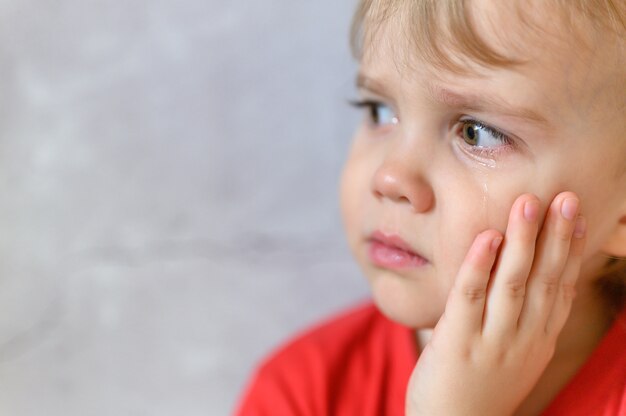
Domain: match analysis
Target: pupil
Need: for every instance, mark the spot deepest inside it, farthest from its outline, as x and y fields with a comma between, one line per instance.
x=470, y=133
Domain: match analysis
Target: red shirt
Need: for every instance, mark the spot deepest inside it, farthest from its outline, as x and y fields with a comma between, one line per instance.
x=359, y=363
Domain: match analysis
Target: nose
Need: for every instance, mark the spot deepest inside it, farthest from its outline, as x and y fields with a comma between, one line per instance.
x=402, y=181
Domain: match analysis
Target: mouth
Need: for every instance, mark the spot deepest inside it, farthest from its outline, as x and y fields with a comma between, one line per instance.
x=390, y=251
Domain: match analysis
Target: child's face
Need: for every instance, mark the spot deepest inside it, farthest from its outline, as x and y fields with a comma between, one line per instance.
x=436, y=179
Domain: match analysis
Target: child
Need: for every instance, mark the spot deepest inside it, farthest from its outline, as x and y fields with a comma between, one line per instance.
x=485, y=197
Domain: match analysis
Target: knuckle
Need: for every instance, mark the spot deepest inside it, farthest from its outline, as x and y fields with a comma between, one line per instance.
x=563, y=233
x=548, y=287
x=563, y=237
x=467, y=353
x=516, y=288
x=500, y=357
x=568, y=291
x=548, y=284
x=474, y=293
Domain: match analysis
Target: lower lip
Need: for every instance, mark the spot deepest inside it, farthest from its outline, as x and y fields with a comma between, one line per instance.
x=393, y=258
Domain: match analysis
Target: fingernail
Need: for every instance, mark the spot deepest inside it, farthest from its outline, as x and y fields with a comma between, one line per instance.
x=495, y=244
x=569, y=208
x=531, y=210
x=581, y=228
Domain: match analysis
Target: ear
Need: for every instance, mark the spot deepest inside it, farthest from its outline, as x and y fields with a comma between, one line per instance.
x=616, y=244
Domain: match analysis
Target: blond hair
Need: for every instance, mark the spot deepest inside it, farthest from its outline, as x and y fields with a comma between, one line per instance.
x=435, y=28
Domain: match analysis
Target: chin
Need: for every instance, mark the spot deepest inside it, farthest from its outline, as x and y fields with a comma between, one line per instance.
x=406, y=301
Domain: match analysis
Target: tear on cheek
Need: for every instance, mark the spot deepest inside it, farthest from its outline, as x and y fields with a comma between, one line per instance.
x=483, y=195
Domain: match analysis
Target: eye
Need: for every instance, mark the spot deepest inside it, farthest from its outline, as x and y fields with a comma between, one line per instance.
x=378, y=113
x=477, y=134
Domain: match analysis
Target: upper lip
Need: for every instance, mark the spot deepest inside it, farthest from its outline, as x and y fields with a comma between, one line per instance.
x=393, y=240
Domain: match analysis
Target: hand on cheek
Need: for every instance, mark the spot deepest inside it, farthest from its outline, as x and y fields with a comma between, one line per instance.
x=509, y=302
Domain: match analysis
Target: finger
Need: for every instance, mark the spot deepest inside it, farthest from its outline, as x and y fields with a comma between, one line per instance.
x=567, y=288
x=551, y=255
x=508, y=286
x=466, y=303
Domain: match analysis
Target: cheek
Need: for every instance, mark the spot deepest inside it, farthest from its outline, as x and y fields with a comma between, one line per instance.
x=353, y=190
x=594, y=183
x=346, y=200
x=468, y=205
x=461, y=218
x=602, y=204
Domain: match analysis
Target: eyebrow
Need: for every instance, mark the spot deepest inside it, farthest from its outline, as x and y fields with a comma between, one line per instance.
x=370, y=84
x=481, y=103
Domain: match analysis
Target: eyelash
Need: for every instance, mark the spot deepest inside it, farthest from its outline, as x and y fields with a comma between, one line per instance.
x=370, y=106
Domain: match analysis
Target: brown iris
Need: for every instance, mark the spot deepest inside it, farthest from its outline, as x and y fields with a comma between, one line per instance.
x=470, y=133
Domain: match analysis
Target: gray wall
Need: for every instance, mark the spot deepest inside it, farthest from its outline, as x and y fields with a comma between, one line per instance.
x=168, y=210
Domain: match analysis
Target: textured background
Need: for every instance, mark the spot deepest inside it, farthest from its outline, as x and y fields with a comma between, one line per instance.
x=168, y=172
